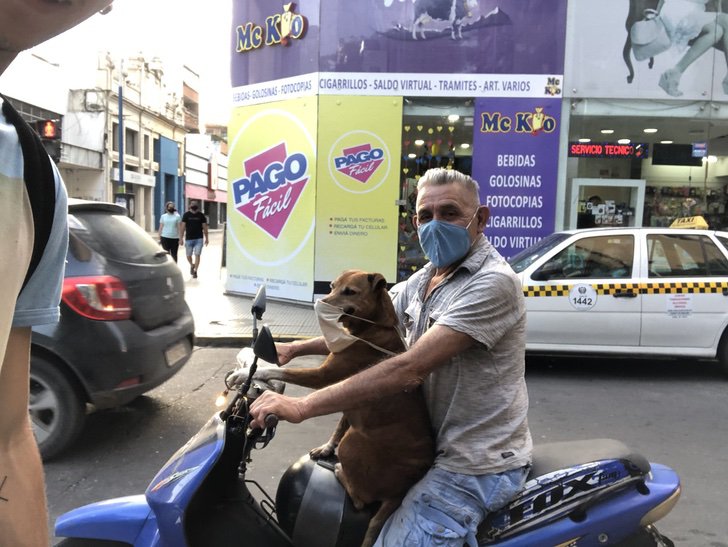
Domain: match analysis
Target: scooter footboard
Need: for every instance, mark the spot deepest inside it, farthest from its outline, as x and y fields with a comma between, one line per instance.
x=120, y=519
x=615, y=512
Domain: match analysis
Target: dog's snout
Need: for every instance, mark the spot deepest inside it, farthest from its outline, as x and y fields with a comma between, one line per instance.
x=349, y=309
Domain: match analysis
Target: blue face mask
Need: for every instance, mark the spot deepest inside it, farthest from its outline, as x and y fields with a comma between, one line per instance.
x=444, y=243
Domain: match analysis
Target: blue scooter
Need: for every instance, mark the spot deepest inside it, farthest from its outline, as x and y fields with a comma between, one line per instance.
x=579, y=494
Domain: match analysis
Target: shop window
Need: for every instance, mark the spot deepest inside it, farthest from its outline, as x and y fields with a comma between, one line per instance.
x=684, y=256
x=589, y=258
x=436, y=132
x=677, y=152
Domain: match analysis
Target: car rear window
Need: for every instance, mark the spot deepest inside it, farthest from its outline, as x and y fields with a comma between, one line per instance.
x=677, y=255
x=115, y=236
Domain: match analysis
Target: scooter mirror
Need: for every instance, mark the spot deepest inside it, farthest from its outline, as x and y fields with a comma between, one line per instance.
x=264, y=347
x=258, y=308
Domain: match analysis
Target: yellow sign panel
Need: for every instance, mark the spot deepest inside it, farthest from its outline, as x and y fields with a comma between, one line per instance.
x=697, y=223
x=271, y=198
x=358, y=187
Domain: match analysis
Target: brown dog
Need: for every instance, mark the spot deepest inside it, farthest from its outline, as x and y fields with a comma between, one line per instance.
x=383, y=447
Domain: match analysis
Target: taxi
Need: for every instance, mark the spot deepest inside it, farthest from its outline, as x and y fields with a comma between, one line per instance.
x=628, y=291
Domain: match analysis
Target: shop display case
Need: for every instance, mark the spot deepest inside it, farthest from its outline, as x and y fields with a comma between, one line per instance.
x=663, y=204
x=606, y=202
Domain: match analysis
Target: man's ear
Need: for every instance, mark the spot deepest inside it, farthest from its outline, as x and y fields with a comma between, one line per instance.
x=483, y=216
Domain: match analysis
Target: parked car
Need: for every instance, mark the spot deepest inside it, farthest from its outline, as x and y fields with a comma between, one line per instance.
x=125, y=326
x=631, y=292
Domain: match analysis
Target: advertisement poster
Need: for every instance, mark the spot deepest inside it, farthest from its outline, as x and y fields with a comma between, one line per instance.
x=271, y=199
x=515, y=161
x=608, y=53
x=443, y=36
x=358, y=187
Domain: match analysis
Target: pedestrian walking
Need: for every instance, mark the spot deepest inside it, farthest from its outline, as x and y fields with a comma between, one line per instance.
x=169, y=229
x=193, y=233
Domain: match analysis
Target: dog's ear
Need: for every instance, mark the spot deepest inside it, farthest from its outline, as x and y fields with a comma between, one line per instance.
x=377, y=281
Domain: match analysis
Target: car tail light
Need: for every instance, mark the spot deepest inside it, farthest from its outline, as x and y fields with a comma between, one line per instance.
x=99, y=297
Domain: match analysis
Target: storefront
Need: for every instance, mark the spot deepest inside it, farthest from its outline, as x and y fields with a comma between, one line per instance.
x=337, y=113
x=549, y=105
x=645, y=144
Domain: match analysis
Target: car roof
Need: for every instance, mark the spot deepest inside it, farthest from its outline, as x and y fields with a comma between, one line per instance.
x=651, y=230
x=79, y=205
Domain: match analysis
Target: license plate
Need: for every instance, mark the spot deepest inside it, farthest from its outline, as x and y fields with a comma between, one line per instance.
x=176, y=352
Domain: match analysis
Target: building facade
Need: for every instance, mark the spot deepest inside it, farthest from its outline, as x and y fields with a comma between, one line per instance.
x=123, y=128
x=206, y=176
x=558, y=109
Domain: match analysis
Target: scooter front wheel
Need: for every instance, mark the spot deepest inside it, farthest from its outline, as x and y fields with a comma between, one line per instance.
x=85, y=542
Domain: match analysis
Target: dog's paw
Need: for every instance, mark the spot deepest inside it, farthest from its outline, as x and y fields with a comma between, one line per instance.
x=267, y=374
x=324, y=451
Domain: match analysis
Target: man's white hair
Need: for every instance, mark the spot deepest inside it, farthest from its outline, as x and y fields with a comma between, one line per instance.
x=440, y=176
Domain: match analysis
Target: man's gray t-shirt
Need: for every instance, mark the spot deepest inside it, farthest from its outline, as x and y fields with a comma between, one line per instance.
x=478, y=402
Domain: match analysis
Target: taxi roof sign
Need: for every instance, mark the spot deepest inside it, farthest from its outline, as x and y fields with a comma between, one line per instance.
x=696, y=222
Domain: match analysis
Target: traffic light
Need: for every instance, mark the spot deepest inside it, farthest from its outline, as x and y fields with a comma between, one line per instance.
x=49, y=129
x=50, y=136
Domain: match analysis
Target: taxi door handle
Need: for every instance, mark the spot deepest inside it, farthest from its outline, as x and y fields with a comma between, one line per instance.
x=624, y=294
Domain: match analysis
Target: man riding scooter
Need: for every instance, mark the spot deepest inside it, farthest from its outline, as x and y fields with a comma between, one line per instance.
x=465, y=318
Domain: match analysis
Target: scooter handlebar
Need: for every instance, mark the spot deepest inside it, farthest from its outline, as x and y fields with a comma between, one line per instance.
x=271, y=420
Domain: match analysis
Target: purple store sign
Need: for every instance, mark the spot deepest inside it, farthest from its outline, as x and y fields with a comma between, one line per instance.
x=515, y=161
x=346, y=38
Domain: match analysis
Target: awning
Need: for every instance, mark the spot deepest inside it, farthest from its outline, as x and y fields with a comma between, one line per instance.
x=195, y=191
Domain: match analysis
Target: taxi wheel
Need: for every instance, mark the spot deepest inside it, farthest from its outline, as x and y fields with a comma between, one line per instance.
x=723, y=353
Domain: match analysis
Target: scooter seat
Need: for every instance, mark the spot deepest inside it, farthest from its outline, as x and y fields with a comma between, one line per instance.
x=554, y=456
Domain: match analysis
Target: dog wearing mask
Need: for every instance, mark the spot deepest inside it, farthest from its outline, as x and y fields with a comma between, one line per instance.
x=386, y=446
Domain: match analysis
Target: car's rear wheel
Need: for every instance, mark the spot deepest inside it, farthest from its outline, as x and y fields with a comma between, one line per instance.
x=57, y=412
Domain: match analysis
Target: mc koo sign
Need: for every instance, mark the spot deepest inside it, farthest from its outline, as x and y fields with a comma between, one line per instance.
x=523, y=122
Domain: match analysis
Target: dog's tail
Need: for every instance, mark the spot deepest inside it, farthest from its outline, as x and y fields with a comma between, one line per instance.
x=377, y=522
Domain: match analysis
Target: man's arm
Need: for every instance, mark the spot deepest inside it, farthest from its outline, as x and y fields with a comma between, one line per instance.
x=204, y=230
x=161, y=225
x=402, y=372
x=22, y=491
x=182, y=230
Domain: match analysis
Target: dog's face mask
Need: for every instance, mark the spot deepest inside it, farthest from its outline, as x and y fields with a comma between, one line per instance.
x=336, y=336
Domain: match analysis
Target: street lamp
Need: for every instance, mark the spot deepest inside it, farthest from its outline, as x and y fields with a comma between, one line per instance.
x=121, y=126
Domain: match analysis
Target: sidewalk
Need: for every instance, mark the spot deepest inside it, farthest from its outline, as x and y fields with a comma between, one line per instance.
x=224, y=319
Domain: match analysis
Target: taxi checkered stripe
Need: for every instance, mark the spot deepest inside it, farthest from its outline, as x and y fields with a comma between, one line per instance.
x=699, y=287
x=546, y=290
